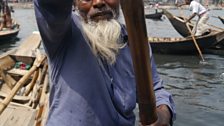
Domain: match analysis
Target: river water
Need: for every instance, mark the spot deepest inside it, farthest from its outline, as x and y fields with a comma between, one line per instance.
x=198, y=89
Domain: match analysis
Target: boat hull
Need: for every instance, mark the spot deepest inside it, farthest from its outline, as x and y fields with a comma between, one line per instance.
x=155, y=16
x=221, y=19
x=184, y=45
x=178, y=24
x=10, y=35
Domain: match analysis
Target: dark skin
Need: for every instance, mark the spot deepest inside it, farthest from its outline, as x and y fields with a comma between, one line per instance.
x=98, y=10
x=187, y=2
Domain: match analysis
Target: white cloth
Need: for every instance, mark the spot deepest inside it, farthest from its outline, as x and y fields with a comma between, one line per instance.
x=201, y=26
x=197, y=8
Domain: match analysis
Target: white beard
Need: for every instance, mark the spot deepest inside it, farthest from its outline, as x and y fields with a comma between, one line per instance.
x=104, y=38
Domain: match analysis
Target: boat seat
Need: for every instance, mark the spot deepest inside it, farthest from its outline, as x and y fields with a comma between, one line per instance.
x=17, y=72
x=16, y=98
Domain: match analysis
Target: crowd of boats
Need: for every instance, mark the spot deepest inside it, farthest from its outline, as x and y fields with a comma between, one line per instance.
x=212, y=42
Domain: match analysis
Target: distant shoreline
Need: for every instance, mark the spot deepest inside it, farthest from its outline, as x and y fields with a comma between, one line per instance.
x=29, y=5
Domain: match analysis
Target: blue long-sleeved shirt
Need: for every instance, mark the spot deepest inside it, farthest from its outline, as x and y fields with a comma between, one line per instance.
x=86, y=91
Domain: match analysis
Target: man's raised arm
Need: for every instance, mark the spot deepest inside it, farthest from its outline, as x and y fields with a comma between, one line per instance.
x=54, y=21
x=53, y=16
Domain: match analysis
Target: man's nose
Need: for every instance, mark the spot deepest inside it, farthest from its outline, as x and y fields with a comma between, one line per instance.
x=98, y=3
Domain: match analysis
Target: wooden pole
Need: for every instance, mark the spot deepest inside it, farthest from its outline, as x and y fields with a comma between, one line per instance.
x=32, y=83
x=195, y=42
x=42, y=103
x=133, y=11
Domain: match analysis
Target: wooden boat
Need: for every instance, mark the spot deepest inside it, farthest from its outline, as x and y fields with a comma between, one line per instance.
x=155, y=16
x=8, y=34
x=178, y=24
x=23, y=85
x=184, y=45
x=181, y=27
x=9, y=28
x=221, y=19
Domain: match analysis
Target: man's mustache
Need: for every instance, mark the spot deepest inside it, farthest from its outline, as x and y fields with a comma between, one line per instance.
x=103, y=11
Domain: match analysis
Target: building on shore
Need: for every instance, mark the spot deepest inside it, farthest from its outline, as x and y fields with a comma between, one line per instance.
x=171, y=2
x=20, y=1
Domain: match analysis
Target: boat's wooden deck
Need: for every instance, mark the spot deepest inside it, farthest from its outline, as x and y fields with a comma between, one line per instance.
x=29, y=45
x=18, y=116
x=23, y=110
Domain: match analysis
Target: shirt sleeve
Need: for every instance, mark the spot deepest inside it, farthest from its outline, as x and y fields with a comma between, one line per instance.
x=162, y=96
x=194, y=7
x=54, y=20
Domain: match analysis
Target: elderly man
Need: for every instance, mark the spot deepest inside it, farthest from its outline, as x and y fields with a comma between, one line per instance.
x=93, y=82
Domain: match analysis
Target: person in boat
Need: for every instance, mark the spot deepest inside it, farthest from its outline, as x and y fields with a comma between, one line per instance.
x=92, y=76
x=2, y=19
x=199, y=10
x=156, y=7
x=7, y=15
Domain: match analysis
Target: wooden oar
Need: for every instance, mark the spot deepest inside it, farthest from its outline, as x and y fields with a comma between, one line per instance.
x=195, y=42
x=138, y=42
x=42, y=103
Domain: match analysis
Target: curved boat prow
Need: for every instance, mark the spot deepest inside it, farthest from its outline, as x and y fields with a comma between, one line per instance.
x=178, y=24
x=222, y=19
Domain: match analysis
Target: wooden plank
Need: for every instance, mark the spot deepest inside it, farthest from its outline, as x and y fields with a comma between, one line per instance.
x=30, y=86
x=7, y=53
x=43, y=104
x=5, y=115
x=45, y=111
x=20, y=72
x=28, y=46
x=20, y=99
x=7, y=78
x=5, y=88
x=18, y=104
x=25, y=52
x=6, y=62
x=17, y=116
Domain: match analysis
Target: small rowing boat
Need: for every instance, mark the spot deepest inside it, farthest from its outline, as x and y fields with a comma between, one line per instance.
x=155, y=16
x=24, y=85
x=168, y=45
